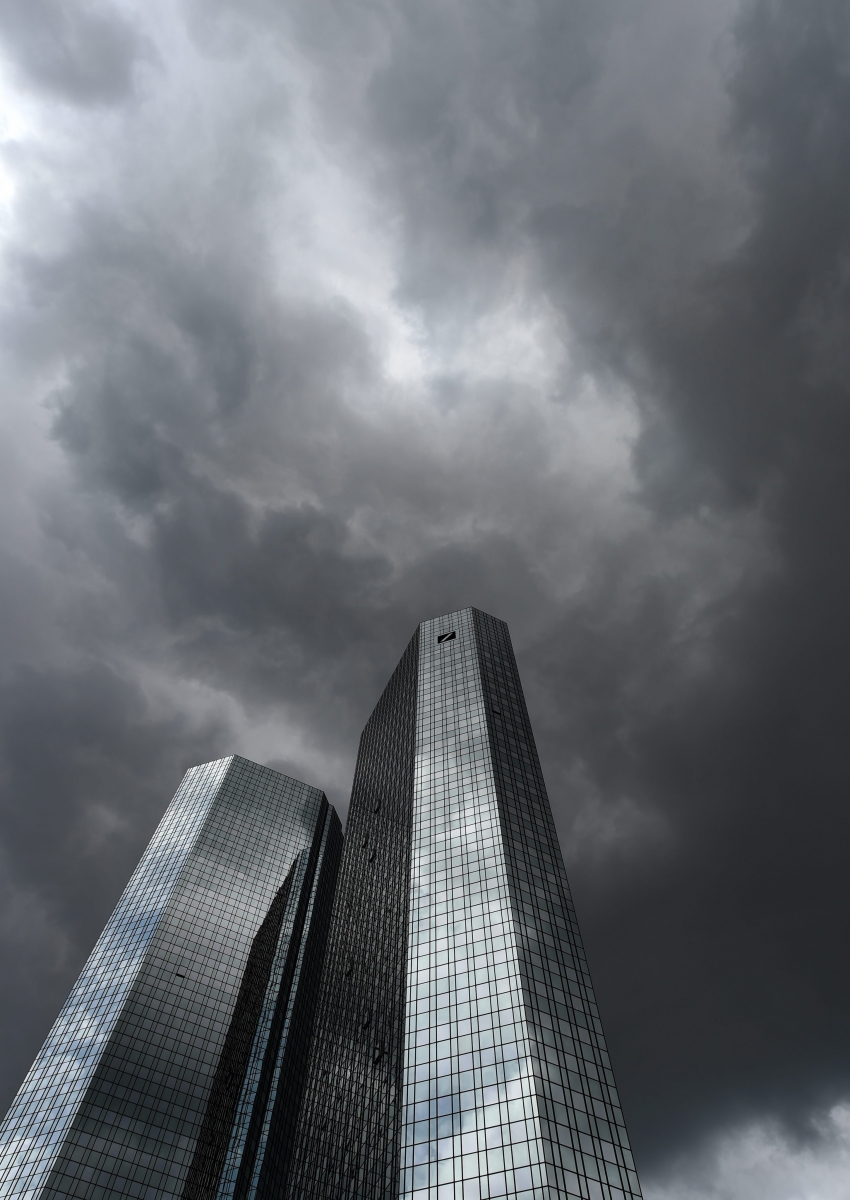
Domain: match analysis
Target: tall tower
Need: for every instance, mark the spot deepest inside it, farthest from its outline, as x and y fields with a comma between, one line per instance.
x=197, y=998
x=458, y=1052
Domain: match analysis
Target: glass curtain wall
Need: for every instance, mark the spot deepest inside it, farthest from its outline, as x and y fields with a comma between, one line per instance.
x=114, y=1102
x=347, y=1140
x=470, y=1120
x=507, y=1085
x=42, y=1112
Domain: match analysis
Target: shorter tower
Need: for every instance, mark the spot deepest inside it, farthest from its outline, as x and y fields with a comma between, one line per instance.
x=200, y=989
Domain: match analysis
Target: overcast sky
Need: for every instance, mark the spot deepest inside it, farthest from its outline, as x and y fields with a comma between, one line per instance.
x=320, y=318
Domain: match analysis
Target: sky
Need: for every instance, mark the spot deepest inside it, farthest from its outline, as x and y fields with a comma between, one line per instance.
x=319, y=319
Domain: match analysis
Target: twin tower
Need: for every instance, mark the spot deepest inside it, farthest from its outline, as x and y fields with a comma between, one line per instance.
x=275, y=1013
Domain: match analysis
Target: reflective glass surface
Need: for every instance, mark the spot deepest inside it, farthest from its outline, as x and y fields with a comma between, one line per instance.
x=458, y=1053
x=507, y=1087
x=244, y=1149
x=347, y=1142
x=114, y=1102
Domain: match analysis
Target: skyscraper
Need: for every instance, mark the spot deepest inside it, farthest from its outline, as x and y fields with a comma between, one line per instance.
x=270, y=1015
x=194, y=1007
x=458, y=1052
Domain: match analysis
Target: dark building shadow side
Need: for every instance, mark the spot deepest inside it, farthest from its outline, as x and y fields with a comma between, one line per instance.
x=250, y=1116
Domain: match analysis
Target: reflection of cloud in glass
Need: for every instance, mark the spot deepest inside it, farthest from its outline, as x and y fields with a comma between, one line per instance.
x=504, y=1053
x=135, y=1044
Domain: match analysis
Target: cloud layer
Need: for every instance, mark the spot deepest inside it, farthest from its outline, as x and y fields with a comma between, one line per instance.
x=316, y=322
x=762, y=1159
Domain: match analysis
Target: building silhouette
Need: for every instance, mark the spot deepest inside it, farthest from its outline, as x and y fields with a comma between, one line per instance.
x=419, y=1026
x=119, y=1101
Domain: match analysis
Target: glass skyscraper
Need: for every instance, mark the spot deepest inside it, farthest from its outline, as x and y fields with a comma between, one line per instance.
x=196, y=1000
x=271, y=1015
x=458, y=1052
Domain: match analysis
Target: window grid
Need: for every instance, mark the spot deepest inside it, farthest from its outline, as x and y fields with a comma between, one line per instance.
x=470, y=1120
x=347, y=1142
x=114, y=1101
x=585, y=1145
x=508, y=1088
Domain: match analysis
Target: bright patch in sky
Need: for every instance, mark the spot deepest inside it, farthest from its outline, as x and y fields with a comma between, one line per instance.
x=761, y=1161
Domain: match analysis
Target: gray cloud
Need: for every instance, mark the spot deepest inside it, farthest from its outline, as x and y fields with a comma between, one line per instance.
x=763, y=1158
x=345, y=319
x=84, y=53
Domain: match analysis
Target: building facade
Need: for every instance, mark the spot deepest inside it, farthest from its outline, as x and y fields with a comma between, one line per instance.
x=196, y=999
x=458, y=1052
x=273, y=1015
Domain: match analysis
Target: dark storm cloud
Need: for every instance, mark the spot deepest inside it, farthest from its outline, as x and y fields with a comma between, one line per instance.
x=741, y=985
x=540, y=308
